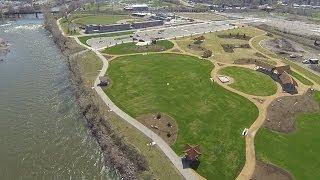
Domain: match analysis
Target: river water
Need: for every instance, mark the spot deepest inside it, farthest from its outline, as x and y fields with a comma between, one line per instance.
x=42, y=135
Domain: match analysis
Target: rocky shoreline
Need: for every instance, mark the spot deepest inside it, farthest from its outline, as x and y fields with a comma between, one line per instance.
x=125, y=159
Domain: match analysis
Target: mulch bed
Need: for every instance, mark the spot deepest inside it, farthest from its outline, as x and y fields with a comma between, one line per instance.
x=229, y=48
x=282, y=112
x=265, y=171
x=196, y=47
x=166, y=127
x=235, y=36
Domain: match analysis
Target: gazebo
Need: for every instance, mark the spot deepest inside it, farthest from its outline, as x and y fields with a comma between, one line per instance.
x=192, y=152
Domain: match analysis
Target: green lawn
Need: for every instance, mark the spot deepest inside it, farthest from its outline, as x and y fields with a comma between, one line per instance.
x=129, y=48
x=84, y=39
x=301, y=78
x=250, y=81
x=297, y=152
x=100, y=19
x=206, y=113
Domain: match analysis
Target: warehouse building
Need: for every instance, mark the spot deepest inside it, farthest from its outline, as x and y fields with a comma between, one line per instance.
x=89, y=29
x=146, y=24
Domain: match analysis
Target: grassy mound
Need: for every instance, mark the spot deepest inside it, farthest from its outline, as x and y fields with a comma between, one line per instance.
x=206, y=113
x=297, y=152
x=250, y=81
x=129, y=48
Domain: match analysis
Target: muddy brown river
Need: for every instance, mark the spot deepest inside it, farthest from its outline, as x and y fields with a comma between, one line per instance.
x=42, y=135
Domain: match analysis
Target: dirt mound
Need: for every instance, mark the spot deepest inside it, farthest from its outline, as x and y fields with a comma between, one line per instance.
x=281, y=46
x=265, y=171
x=282, y=112
x=162, y=124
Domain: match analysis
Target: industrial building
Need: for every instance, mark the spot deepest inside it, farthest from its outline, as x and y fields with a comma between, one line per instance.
x=136, y=7
x=93, y=28
x=89, y=29
x=139, y=25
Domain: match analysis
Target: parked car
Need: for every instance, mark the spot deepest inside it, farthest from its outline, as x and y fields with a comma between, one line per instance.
x=311, y=61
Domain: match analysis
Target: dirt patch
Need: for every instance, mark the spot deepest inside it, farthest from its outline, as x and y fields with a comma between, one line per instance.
x=175, y=50
x=229, y=48
x=282, y=46
x=151, y=47
x=259, y=55
x=292, y=48
x=196, y=47
x=235, y=36
x=108, y=57
x=246, y=61
x=162, y=124
x=302, y=39
x=282, y=112
x=266, y=171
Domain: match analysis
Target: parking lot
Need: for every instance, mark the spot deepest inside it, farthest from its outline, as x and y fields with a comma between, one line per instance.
x=169, y=32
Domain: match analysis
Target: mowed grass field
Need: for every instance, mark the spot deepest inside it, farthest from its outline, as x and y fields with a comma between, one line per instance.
x=100, y=19
x=250, y=81
x=297, y=152
x=213, y=42
x=129, y=48
x=206, y=113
